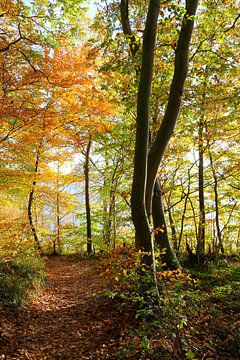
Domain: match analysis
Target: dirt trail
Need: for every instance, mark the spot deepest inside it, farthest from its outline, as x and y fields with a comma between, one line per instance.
x=65, y=321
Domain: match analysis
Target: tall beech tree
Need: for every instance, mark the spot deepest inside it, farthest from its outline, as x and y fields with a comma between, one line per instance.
x=139, y=213
x=146, y=164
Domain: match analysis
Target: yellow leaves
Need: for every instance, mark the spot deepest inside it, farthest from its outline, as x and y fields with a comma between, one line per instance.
x=9, y=8
x=170, y=277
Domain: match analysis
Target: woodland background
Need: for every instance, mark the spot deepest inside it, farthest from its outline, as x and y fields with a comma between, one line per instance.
x=75, y=90
x=68, y=107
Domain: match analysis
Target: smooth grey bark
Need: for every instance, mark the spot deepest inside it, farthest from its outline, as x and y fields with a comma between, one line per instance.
x=139, y=214
x=174, y=100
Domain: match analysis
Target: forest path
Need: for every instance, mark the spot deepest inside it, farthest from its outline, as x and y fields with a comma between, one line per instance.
x=66, y=320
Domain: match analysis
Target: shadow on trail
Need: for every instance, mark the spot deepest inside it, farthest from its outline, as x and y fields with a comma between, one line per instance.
x=65, y=321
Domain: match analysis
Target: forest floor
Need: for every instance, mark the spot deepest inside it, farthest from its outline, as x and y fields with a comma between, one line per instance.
x=65, y=320
x=70, y=318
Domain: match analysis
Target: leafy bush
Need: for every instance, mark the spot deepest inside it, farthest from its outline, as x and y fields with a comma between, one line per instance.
x=19, y=277
x=168, y=317
x=154, y=306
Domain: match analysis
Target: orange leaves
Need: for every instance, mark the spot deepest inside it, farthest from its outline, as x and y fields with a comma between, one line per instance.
x=69, y=66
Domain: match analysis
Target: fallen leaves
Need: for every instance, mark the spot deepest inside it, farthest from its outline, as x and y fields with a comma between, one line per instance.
x=65, y=320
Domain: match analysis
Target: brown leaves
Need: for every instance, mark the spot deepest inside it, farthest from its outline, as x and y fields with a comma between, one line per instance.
x=64, y=320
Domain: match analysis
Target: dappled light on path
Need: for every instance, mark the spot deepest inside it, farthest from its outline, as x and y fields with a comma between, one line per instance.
x=66, y=320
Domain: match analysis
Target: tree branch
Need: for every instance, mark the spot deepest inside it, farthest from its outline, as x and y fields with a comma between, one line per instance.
x=134, y=46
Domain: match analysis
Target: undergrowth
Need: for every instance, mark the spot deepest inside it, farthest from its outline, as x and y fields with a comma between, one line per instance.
x=167, y=321
x=19, y=277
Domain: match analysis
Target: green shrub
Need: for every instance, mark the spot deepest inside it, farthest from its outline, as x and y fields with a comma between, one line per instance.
x=19, y=277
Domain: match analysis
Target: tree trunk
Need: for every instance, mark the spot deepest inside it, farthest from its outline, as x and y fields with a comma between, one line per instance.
x=139, y=214
x=217, y=222
x=174, y=100
x=202, y=222
x=194, y=217
x=57, y=239
x=133, y=44
x=182, y=224
x=87, y=198
x=172, y=225
x=30, y=202
x=58, y=223
x=160, y=228
x=184, y=210
x=114, y=222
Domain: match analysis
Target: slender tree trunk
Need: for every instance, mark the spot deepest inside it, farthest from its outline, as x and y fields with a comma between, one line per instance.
x=219, y=234
x=217, y=221
x=30, y=202
x=56, y=244
x=184, y=210
x=227, y=222
x=194, y=217
x=54, y=247
x=202, y=222
x=160, y=228
x=87, y=198
x=173, y=228
x=114, y=221
x=58, y=222
x=182, y=224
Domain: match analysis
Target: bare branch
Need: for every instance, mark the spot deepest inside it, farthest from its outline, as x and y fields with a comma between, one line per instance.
x=234, y=23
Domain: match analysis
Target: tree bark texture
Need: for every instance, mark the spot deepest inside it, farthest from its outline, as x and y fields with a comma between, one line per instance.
x=134, y=46
x=174, y=100
x=139, y=215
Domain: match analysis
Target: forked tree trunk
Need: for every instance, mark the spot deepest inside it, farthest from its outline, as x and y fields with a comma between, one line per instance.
x=174, y=100
x=146, y=166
